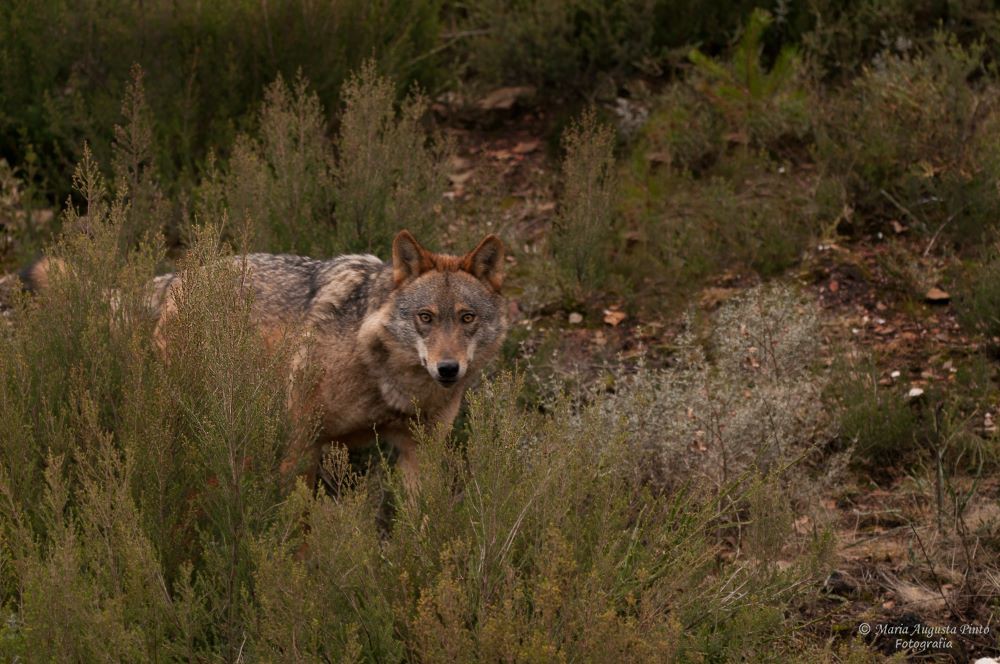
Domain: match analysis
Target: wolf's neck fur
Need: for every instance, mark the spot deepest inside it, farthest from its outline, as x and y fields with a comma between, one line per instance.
x=377, y=354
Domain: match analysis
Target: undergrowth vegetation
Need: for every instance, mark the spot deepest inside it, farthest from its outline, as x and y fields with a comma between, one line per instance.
x=745, y=399
x=145, y=518
x=914, y=140
x=656, y=470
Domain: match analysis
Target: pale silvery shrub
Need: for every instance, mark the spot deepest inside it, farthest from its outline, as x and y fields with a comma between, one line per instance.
x=749, y=403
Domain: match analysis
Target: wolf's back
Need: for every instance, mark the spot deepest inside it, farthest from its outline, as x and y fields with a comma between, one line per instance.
x=332, y=296
x=289, y=289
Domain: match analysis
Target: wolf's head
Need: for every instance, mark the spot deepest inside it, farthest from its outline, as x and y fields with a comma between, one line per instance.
x=448, y=309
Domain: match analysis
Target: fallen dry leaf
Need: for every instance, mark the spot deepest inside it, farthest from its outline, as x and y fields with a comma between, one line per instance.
x=575, y=318
x=524, y=147
x=937, y=296
x=613, y=317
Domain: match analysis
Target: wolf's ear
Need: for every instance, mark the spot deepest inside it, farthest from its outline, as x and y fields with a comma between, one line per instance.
x=409, y=259
x=485, y=262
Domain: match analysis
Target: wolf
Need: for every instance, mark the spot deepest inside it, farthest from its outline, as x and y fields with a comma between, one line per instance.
x=388, y=342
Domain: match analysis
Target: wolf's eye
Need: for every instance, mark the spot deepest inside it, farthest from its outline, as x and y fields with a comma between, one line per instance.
x=468, y=317
x=425, y=317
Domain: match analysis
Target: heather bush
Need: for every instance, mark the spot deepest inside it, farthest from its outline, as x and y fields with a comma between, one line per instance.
x=747, y=212
x=13, y=218
x=278, y=184
x=558, y=43
x=144, y=516
x=562, y=44
x=132, y=482
x=840, y=38
x=25, y=219
x=388, y=175
x=746, y=399
x=714, y=180
x=979, y=299
x=876, y=419
x=289, y=187
x=584, y=228
x=683, y=133
x=134, y=166
x=530, y=542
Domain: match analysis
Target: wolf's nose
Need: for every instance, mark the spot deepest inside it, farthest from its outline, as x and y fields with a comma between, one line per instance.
x=448, y=370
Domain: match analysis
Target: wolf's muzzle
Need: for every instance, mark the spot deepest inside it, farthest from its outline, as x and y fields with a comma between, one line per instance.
x=447, y=372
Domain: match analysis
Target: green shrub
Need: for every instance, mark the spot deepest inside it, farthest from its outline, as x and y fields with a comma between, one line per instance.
x=842, y=37
x=130, y=483
x=278, y=184
x=584, y=231
x=388, y=175
x=560, y=44
x=134, y=166
x=25, y=219
x=876, y=419
x=64, y=68
x=915, y=141
x=684, y=132
x=144, y=517
x=978, y=301
x=760, y=105
x=288, y=187
x=532, y=542
x=747, y=212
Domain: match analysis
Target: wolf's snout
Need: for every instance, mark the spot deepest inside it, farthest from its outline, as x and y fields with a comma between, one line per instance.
x=447, y=371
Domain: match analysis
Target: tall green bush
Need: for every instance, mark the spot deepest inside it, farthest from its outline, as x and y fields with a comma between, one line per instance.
x=583, y=234
x=64, y=67
x=389, y=174
x=289, y=187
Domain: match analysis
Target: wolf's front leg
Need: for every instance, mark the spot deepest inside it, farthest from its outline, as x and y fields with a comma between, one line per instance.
x=409, y=466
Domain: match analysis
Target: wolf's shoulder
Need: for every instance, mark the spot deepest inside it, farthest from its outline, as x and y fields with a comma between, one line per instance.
x=346, y=287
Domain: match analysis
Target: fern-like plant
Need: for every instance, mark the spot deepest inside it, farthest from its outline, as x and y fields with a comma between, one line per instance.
x=761, y=104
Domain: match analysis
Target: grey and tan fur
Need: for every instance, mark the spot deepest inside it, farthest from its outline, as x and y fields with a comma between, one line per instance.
x=386, y=341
